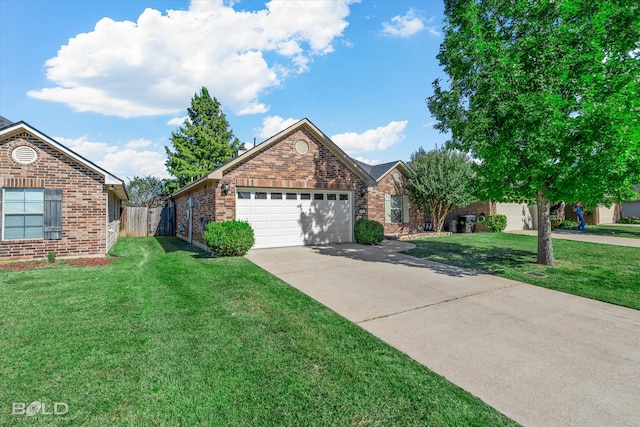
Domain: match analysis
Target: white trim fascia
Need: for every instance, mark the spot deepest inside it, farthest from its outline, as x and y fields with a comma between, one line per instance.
x=109, y=179
x=218, y=173
x=348, y=161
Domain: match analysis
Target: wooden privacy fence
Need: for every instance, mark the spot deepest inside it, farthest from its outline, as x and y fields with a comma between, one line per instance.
x=141, y=221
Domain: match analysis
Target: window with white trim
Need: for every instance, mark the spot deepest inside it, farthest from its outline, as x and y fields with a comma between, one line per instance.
x=31, y=213
x=23, y=213
x=396, y=209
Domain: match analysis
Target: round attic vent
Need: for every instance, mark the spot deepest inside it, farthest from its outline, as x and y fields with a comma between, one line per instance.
x=302, y=147
x=24, y=155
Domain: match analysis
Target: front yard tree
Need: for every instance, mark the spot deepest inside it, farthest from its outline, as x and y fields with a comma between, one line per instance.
x=544, y=96
x=439, y=181
x=202, y=143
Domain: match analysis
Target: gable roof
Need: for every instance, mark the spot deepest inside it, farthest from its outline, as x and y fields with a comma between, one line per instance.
x=305, y=123
x=109, y=179
x=4, y=122
x=378, y=172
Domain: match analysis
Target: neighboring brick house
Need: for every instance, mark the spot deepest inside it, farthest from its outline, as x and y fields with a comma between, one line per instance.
x=296, y=188
x=387, y=202
x=52, y=199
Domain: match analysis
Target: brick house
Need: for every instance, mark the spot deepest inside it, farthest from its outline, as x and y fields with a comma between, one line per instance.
x=52, y=199
x=296, y=188
x=387, y=202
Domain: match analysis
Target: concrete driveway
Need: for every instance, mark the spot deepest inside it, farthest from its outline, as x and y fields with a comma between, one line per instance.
x=541, y=357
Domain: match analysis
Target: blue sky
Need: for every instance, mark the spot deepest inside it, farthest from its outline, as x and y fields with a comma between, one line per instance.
x=112, y=79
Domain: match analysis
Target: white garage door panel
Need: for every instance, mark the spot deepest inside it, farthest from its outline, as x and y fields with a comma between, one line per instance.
x=285, y=221
x=243, y=211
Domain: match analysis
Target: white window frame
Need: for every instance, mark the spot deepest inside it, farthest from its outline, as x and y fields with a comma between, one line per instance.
x=5, y=214
x=404, y=209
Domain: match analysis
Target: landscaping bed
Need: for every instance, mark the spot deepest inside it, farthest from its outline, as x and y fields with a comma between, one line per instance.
x=30, y=265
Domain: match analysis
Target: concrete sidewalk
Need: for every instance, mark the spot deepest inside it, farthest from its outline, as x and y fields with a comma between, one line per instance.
x=541, y=357
x=581, y=237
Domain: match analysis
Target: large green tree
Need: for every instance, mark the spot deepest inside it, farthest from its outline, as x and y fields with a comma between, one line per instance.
x=145, y=190
x=439, y=180
x=545, y=96
x=202, y=143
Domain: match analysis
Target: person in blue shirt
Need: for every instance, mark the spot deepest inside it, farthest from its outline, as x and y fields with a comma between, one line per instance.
x=578, y=209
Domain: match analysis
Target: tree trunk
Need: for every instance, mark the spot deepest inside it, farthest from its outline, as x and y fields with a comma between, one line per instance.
x=545, y=246
x=438, y=215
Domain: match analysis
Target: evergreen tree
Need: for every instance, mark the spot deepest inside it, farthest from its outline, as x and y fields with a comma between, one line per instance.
x=202, y=143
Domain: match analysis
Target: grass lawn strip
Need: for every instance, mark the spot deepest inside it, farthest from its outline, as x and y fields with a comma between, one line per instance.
x=601, y=272
x=166, y=336
x=613, y=230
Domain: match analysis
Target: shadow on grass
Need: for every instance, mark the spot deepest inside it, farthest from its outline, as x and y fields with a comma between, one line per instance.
x=492, y=260
x=394, y=253
x=173, y=244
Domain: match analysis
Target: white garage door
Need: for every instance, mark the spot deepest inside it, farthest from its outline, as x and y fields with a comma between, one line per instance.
x=282, y=217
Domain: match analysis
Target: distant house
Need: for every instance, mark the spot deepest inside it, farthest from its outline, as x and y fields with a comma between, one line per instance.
x=296, y=188
x=632, y=207
x=53, y=199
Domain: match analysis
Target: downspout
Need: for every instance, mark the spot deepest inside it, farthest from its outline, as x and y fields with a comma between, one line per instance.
x=190, y=219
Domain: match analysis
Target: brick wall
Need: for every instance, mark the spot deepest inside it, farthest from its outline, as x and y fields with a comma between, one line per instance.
x=278, y=166
x=393, y=184
x=84, y=200
x=281, y=166
x=203, y=210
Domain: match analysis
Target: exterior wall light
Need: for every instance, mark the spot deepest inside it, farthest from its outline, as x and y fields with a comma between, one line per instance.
x=225, y=187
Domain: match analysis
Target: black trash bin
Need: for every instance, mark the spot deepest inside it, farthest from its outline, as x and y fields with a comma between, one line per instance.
x=466, y=223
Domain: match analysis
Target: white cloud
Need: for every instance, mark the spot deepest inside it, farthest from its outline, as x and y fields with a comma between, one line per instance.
x=177, y=121
x=128, y=163
x=155, y=65
x=123, y=162
x=271, y=125
x=138, y=143
x=406, y=26
x=379, y=138
x=367, y=161
x=87, y=149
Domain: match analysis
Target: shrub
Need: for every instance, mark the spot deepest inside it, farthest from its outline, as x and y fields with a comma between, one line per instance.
x=629, y=220
x=496, y=223
x=567, y=223
x=229, y=238
x=368, y=232
x=51, y=257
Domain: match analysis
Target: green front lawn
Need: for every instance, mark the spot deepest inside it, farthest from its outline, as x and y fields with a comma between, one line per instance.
x=613, y=230
x=168, y=337
x=602, y=272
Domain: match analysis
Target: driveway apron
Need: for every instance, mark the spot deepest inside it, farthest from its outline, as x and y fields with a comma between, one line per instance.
x=541, y=357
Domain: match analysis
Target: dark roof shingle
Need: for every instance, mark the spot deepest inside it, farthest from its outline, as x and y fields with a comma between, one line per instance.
x=4, y=122
x=376, y=171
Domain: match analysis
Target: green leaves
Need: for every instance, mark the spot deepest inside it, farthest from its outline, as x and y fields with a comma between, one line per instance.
x=542, y=94
x=144, y=190
x=202, y=143
x=545, y=95
x=440, y=180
